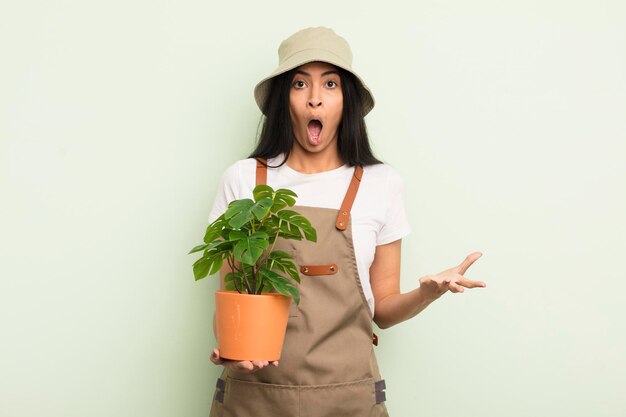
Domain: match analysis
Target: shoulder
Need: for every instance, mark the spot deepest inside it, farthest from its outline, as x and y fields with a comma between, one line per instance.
x=379, y=187
x=382, y=175
x=237, y=168
x=237, y=180
x=246, y=168
x=239, y=174
x=236, y=183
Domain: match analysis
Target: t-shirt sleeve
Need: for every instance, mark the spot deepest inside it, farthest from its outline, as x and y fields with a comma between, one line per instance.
x=227, y=191
x=396, y=225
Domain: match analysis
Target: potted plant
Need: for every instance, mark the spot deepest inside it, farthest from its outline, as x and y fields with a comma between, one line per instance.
x=260, y=277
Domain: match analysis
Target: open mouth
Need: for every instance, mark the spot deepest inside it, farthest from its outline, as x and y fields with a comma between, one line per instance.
x=314, y=129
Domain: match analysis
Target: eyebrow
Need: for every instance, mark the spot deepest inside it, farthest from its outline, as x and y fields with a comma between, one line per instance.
x=323, y=74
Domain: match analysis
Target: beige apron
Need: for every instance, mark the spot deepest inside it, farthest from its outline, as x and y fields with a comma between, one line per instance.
x=327, y=367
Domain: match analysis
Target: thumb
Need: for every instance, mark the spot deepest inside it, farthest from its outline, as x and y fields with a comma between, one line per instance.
x=215, y=357
x=468, y=261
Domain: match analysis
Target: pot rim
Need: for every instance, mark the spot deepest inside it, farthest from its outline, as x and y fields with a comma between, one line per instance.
x=238, y=294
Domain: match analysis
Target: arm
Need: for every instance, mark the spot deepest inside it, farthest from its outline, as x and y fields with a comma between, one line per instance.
x=392, y=307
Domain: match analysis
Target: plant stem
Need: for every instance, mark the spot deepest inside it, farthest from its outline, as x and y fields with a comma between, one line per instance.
x=245, y=278
x=233, y=268
x=269, y=252
x=276, y=237
x=255, y=278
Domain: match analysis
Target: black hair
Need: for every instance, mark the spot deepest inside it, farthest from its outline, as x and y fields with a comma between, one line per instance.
x=277, y=133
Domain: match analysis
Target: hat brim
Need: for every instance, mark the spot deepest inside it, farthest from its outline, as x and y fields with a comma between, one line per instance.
x=261, y=90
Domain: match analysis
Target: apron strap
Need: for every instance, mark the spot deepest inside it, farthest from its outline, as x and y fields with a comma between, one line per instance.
x=348, y=200
x=261, y=171
x=344, y=212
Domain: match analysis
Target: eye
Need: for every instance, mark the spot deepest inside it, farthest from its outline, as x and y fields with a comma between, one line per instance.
x=331, y=84
x=299, y=84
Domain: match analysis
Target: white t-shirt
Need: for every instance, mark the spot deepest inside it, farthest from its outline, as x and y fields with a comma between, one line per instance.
x=378, y=215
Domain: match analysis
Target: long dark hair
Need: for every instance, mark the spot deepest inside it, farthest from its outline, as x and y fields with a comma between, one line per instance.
x=277, y=133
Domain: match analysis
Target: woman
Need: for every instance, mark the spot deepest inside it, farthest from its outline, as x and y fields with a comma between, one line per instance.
x=314, y=142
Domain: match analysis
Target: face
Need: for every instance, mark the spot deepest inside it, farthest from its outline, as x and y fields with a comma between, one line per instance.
x=315, y=107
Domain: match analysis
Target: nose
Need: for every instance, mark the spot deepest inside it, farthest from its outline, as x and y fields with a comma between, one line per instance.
x=315, y=99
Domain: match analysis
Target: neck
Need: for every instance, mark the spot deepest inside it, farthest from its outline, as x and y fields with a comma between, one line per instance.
x=313, y=162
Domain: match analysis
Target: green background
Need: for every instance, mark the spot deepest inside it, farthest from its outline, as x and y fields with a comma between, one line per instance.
x=506, y=119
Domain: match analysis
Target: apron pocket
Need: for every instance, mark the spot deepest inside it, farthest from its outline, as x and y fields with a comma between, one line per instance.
x=342, y=400
x=309, y=270
x=255, y=399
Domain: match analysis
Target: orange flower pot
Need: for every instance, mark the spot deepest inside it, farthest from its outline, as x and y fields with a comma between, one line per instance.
x=250, y=327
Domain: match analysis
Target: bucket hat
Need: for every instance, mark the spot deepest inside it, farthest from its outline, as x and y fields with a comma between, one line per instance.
x=309, y=45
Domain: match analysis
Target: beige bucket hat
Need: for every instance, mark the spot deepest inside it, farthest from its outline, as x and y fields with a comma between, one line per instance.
x=309, y=45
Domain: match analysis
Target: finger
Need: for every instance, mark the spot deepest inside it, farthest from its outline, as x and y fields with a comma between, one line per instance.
x=215, y=357
x=468, y=283
x=469, y=260
x=455, y=287
x=260, y=364
x=440, y=287
x=430, y=282
x=244, y=366
x=275, y=363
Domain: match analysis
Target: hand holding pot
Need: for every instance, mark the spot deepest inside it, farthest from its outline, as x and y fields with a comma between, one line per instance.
x=240, y=366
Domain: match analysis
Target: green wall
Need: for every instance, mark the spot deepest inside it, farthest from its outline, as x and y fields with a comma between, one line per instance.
x=505, y=118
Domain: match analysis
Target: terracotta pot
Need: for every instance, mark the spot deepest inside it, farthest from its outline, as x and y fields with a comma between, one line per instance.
x=250, y=327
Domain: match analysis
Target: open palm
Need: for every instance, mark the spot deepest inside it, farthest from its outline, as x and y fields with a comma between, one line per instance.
x=451, y=279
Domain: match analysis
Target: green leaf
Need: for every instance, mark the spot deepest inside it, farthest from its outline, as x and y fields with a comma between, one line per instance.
x=310, y=233
x=261, y=208
x=270, y=225
x=214, y=230
x=248, y=249
x=280, y=284
x=282, y=199
x=233, y=281
x=201, y=268
x=287, y=231
x=281, y=261
x=221, y=245
x=229, y=286
x=289, y=290
x=239, y=213
x=198, y=248
x=290, y=231
x=236, y=235
x=263, y=191
x=287, y=196
x=294, y=221
x=217, y=259
x=209, y=264
x=259, y=285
